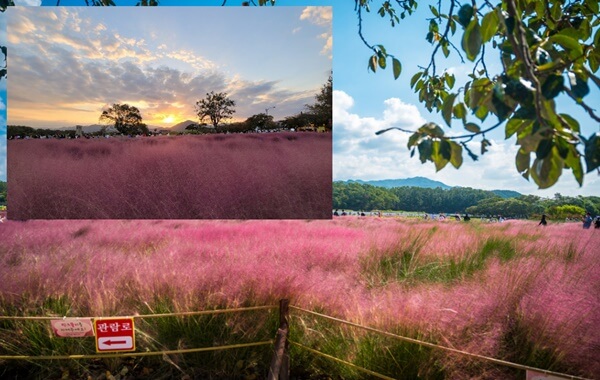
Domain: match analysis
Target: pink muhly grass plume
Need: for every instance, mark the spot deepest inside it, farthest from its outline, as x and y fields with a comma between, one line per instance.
x=543, y=296
x=268, y=176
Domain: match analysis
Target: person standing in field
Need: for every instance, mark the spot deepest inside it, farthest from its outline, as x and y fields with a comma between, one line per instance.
x=587, y=221
x=543, y=221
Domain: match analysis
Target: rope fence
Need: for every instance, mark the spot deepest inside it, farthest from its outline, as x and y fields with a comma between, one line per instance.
x=145, y=316
x=279, y=365
x=436, y=346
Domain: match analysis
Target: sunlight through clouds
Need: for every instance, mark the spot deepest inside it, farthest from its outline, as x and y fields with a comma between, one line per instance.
x=110, y=61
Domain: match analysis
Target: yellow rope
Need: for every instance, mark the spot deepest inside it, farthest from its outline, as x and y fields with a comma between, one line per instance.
x=432, y=345
x=125, y=354
x=342, y=361
x=180, y=314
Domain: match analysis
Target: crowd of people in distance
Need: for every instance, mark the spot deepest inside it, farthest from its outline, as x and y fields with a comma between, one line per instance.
x=587, y=220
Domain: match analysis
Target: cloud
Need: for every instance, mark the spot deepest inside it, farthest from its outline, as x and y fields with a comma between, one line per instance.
x=359, y=154
x=32, y=3
x=318, y=15
x=321, y=16
x=107, y=67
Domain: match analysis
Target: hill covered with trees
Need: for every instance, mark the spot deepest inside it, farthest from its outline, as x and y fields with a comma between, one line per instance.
x=358, y=196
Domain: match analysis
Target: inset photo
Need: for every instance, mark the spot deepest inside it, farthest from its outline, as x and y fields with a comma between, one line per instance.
x=169, y=113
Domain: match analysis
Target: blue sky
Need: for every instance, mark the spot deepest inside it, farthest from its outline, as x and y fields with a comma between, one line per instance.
x=365, y=102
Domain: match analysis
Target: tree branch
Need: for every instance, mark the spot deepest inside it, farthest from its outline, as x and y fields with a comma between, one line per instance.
x=444, y=37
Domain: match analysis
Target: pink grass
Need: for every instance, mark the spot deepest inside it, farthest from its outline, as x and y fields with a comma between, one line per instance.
x=549, y=290
x=249, y=176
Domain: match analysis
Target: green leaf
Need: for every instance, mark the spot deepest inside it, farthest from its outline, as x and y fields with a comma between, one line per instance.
x=431, y=129
x=522, y=161
x=552, y=86
x=472, y=127
x=373, y=63
x=465, y=13
x=381, y=61
x=425, y=150
x=415, y=78
x=489, y=25
x=441, y=154
x=397, y=67
x=579, y=87
x=456, y=158
x=592, y=152
x=414, y=139
x=450, y=79
x=484, y=144
x=544, y=148
x=460, y=111
x=573, y=124
x=545, y=172
x=573, y=161
x=572, y=45
x=515, y=124
x=434, y=11
x=447, y=109
x=471, y=41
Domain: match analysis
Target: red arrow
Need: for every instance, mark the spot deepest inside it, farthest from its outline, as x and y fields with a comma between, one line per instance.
x=109, y=342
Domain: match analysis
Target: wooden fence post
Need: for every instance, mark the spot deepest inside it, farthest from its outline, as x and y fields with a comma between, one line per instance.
x=280, y=363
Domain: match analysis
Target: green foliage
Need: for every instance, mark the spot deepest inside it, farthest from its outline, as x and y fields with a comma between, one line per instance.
x=321, y=112
x=216, y=107
x=261, y=121
x=2, y=193
x=125, y=118
x=356, y=196
x=565, y=211
x=547, y=49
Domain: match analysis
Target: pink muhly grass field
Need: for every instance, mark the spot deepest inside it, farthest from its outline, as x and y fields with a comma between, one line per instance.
x=242, y=176
x=535, y=292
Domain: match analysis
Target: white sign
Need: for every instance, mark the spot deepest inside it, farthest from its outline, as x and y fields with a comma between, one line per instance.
x=72, y=327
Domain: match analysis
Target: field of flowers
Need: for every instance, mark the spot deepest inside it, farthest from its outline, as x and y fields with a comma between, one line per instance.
x=514, y=291
x=241, y=176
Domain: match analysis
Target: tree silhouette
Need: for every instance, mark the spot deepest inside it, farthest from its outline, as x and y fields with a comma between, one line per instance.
x=125, y=118
x=216, y=106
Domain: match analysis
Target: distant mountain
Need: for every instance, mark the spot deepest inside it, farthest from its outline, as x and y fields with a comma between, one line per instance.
x=507, y=193
x=406, y=182
x=97, y=127
x=425, y=183
x=180, y=127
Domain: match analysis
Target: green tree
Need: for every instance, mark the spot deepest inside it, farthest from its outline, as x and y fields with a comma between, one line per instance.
x=216, y=107
x=547, y=49
x=125, y=118
x=322, y=110
x=565, y=211
x=261, y=120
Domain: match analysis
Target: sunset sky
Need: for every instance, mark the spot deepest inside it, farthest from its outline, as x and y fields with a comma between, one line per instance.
x=70, y=63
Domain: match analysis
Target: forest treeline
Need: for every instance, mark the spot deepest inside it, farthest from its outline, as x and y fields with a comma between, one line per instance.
x=356, y=196
x=2, y=193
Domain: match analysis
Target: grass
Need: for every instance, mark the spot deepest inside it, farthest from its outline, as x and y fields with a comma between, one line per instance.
x=241, y=176
x=514, y=291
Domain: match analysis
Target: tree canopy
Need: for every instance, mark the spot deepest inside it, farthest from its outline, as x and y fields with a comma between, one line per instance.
x=216, y=107
x=125, y=118
x=546, y=49
x=357, y=196
x=322, y=110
